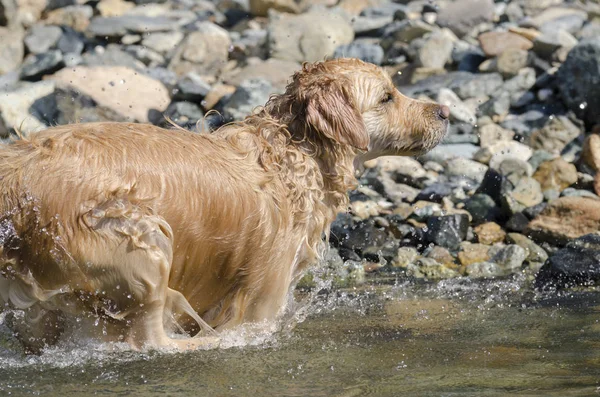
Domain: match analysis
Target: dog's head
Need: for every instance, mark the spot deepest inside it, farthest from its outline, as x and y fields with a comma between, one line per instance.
x=355, y=103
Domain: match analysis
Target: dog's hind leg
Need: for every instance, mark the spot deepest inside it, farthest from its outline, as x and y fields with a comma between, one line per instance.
x=129, y=261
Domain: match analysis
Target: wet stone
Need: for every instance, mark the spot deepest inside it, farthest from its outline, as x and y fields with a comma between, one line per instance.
x=39, y=65
x=447, y=231
x=482, y=208
x=427, y=268
x=489, y=233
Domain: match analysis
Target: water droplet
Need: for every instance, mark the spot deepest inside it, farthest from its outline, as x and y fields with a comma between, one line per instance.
x=583, y=105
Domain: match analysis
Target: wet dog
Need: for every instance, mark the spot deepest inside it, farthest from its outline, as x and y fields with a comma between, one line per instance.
x=158, y=231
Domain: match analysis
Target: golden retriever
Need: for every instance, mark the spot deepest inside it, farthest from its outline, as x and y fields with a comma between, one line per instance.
x=162, y=234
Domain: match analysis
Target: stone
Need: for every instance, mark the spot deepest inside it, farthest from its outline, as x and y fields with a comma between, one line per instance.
x=597, y=183
x=217, y=95
x=120, y=26
x=447, y=231
x=402, y=169
x=427, y=268
x=363, y=25
x=473, y=253
x=564, y=219
x=307, y=37
x=359, y=236
x=527, y=192
x=204, y=51
x=112, y=55
x=368, y=52
x=491, y=133
x=24, y=12
x=548, y=43
x=437, y=50
x=15, y=106
x=578, y=193
x=192, y=88
x=517, y=222
x=11, y=49
x=405, y=257
x=184, y=114
x=576, y=264
x=77, y=17
x=114, y=8
x=260, y=8
x=250, y=94
x=435, y=192
x=578, y=80
x=36, y=66
x=556, y=174
x=495, y=153
x=111, y=87
x=480, y=85
x=484, y=270
x=510, y=257
x=550, y=18
x=489, y=233
x=459, y=111
x=463, y=15
x=466, y=168
x=275, y=71
x=555, y=135
x=482, y=208
x=511, y=61
x=42, y=38
x=443, y=256
x=496, y=106
x=495, y=43
x=534, y=252
x=407, y=30
x=590, y=153
x=162, y=42
x=71, y=42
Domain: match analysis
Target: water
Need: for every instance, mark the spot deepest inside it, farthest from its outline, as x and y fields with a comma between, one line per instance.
x=456, y=338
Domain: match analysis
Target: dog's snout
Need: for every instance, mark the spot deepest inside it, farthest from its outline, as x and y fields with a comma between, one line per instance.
x=443, y=112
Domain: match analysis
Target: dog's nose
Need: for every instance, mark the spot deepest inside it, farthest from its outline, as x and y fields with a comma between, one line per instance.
x=444, y=112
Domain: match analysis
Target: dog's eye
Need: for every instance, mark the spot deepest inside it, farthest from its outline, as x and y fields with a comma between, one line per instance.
x=387, y=98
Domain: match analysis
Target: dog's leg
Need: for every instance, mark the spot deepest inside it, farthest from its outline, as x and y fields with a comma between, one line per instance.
x=132, y=269
x=36, y=327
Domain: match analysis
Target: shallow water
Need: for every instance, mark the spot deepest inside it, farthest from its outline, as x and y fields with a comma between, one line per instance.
x=456, y=338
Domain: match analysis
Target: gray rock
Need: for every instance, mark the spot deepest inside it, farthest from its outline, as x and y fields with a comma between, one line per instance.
x=249, y=95
x=431, y=85
x=459, y=111
x=466, y=168
x=497, y=106
x=39, y=65
x=145, y=55
x=15, y=106
x=578, y=80
x=41, y=38
x=546, y=44
x=307, y=37
x=70, y=42
x=427, y=268
x=165, y=76
x=484, y=270
x=578, y=193
x=527, y=192
x=510, y=257
x=525, y=123
x=120, y=26
x=185, y=114
x=447, y=231
x=162, y=42
x=407, y=30
x=111, y=55
x=367, y=52
x=72, y=106
x=383, y=10
x=482, y=208
x=11, y=49
x=511, y=61
x=463, y=15
x=437, y=50
x=444, y=152
x=192, y=88
x=569, y=23
x=554, y=135
x=365, y=25
x=480, y=85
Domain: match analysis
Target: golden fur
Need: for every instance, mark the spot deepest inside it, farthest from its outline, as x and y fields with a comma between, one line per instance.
x=154, y=231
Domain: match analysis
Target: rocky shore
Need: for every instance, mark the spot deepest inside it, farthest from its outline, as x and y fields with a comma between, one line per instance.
x=513, y=189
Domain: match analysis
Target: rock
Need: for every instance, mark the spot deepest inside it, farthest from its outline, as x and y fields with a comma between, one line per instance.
x=114, y=8
x=77, y=17
x=192, y=88
x=534, y=252
x=204, y=51
x=70, y=42
x=11, y=49
x=511, y=61
x=163, y=42
x=497, y=106
x=517, y=222
x=510, y=258
x=120, y=26
x=571, y=192
x=495, y=43
x=527, y=192
x=466, y=168
x=364, y=25
x=36, y=66
x=495, y=153
x=307, y=37
x=111, y=87
x=557, y=18
x=548, y=43
x=22, y=12
x=480, y=85
x=436, y=50
x=249, y=95
x=184, y=114
x=489, y=233
x=484, y=270
x=576, y=264
x=447, y=231
x=538, y=157
x=405, y=257
x=15, y=106
x=275, y=71
x=578, y=80
x=565, y=218
x=489, y=134
x=473, y=253
x=435, y=192
x=443, y=256
x=260, y=8
x=41, y=38
x=403, y=170
x=597, y=183
x=368, y=52
x=359, y=236
x=591, y=152
x=407, y=30
x=111, y=55
x=482, y=208
x=556, y=174
x=463, y=15
x=459, y=111
x=428, y=268
x=555, y=135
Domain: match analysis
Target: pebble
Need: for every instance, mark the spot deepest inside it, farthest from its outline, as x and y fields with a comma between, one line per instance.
x=489, y=233
x=495, y=43
x=447, y=231
x=556, y=174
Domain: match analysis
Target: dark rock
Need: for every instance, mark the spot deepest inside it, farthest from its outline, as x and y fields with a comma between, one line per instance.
x=383, y=10
x=185, y=114
x=532, y=212
x=578, y=80
x=39, y=65
x=492, y=185
x=576, y=264
x=250, y=94
x=358, y=236
x=482, y=208
x=435, y=192
x=367, y=52
x=71, y=106
x=192, y=88
x=517, y=223
x=447, y=231
x=470, y=62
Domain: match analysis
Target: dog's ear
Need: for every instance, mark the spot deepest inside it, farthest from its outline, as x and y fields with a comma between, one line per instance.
x=330, y=109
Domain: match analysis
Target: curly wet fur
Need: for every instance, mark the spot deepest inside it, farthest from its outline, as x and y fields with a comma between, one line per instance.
x=157, y=230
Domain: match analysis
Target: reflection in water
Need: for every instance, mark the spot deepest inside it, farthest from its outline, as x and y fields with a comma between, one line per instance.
x=453, y=338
